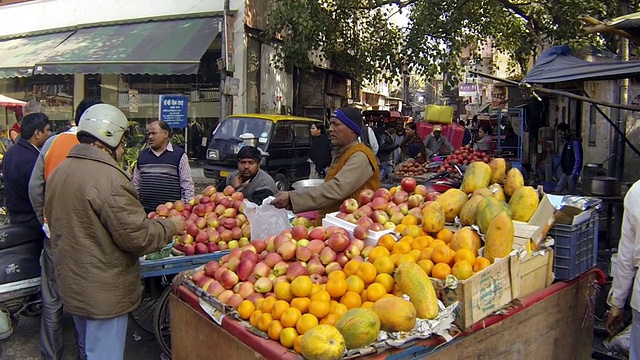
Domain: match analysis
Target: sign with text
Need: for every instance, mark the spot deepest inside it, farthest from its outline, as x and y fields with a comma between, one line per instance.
x=173, y=110
x=467, y=89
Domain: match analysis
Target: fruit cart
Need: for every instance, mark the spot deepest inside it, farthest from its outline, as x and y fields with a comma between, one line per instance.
x=153, y=313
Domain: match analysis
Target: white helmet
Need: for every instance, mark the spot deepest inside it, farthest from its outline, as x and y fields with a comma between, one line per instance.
x=104, y=122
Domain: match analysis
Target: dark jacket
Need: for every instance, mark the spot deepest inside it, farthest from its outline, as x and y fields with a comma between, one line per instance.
x=571, y=158
x=387, y=145
x=256, y=189
x=320, y=151
x=17, y=166
x=98, y=232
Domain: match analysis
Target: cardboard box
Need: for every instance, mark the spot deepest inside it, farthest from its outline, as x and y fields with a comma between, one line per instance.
x=372, y=239
x=537, y=227
x=532, y=273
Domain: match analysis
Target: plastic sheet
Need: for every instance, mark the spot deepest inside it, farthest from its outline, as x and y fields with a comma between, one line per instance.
x=266, y=220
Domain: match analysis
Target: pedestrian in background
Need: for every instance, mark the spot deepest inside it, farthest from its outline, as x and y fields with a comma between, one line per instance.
x=100, y=285
x=466, y=140
x=31, y=107
x=570, y=160
x=385, y=153
x=483, y=141
x=319, y=152
x=412, y=146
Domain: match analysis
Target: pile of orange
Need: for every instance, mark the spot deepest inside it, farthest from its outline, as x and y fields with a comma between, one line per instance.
x=432, y=253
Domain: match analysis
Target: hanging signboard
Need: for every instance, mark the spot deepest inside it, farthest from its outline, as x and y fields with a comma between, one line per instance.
x=173, y=110
x=467, y=90
x=228, y=43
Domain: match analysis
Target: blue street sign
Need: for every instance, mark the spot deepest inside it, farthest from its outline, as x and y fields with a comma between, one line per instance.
x=173, y=110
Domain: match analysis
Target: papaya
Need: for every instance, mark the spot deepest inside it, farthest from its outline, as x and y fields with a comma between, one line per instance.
x=359, y=327
x=452, y=202
x=498, y=170
x=487, y=209
x=499, y=237
x=395, y=314
x=523, y=203
x=413, y=281
x=497, y=192
x=468, y=212
x=466, y=237
x=483, y=192
x=432, y=217
x=513, y=181
x=322, y=342
x=476, y=177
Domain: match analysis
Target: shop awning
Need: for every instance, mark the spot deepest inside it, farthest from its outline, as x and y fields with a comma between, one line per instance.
x=154, y=47
x=18, y=56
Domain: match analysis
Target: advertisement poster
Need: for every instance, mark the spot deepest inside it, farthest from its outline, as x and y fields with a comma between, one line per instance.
x=173, y=110
x=133, y=101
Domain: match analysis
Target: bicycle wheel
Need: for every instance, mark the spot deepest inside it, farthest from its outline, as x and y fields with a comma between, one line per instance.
x=143, y=315
x=162, y=322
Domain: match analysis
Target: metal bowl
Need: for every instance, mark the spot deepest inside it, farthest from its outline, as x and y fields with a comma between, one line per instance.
x=301, y=184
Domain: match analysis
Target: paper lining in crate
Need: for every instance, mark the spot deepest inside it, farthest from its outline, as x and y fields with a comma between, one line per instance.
x=372, y=239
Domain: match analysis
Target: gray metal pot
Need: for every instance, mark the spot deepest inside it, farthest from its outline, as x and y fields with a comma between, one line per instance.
x=603, y=186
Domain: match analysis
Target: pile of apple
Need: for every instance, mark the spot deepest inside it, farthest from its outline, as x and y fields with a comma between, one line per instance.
x=214, y=221
x=252, y=271
x=411, y=167
x=464, y=155
x=379, y=210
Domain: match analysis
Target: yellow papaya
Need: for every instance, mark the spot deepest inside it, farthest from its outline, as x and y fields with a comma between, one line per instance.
x=452, y=202
x=476, y=177
x=432, y=217
x=395, y=314
x=483, y=192
x=466, y=238
x=499, y=237
x=513, y=181
x=487, y=209
x=498, y=170
x=523, y=203
x=414, y=282
x=497, y=192
x=468, y=212
x=359, y=327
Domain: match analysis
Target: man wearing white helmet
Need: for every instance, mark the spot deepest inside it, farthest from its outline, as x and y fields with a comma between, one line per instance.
x=96, y=250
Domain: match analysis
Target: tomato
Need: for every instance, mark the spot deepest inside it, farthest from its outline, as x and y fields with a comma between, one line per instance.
x=467, y=147
x=466, y=162
x=485, y=159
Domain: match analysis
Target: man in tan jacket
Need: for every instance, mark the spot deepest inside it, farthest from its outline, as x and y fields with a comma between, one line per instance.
x=354, y=168
x=98, y=230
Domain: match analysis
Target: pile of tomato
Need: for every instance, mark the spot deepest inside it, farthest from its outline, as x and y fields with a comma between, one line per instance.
x=464, y=156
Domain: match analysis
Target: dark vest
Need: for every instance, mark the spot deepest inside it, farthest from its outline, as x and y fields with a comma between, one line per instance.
x=568, y=158
x=159, y=177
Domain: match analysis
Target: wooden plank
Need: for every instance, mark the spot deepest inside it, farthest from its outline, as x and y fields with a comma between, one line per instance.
x=195, y=337
x=550, y=329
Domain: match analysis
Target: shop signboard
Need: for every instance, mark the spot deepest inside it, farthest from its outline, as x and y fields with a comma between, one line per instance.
x=467, y=90
x=133, y=101
x=173, y=110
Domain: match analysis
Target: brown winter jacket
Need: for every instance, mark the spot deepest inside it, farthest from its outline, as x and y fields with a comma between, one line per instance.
x=98, y=230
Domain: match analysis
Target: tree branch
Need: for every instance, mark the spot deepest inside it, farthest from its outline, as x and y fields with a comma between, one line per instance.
x=400, y=4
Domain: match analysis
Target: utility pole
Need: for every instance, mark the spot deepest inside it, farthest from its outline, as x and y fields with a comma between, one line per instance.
x=223, y=68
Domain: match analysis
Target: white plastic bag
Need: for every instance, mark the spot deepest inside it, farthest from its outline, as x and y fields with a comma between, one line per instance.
x=266, y=219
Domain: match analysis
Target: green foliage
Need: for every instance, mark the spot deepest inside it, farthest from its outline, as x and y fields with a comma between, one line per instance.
x=177, y=139
x=356, y=36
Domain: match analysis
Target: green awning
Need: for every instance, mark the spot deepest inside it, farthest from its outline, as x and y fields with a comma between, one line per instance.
x=154, y=47
x=18, y=56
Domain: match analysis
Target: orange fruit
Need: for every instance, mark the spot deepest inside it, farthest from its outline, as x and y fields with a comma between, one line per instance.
x=351, y=300
x=354, y=283
x=481, y=263
x=406, y=238
x=367, y=305
x=306, y=323
x=406, y=258
x=386, y=280
x=245, y=309
x=258, y=303
x=384, y=265
x=339, y=309
x=394, y=258
x=426, y=265
x=336, y=287
x=302, y=304
x=440, y=271
x=367, y=272
x=445, y=235
x=315, y=288
x=288, y=336
x=409, y=220
x=253, y=319
x=274, y=330
x=264, y=321
x=375, y=291
x=278, y=309
x=301, y=286
x=267, y=304
x=462, y=270
x=393, y=190
x=336, y=274
x=296, y=344
x=465, y=254
x=376, y=252
x=402, y=247
x=290, y=317
x=442, y=254
x=386, y=241
x=400, y=228
x=425, y=254
x=350, y=267
x=420, y=242
x=330, y=319
x=283, y=291
x=435, y=243
x=412, y=230
x=319, y=308
x=363, y=296
x=415, y=254
x=321, y=295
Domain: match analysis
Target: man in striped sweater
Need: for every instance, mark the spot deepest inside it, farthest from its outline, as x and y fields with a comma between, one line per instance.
x=162, y=173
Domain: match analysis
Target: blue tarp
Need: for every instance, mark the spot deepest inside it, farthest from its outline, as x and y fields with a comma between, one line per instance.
x=557, y=65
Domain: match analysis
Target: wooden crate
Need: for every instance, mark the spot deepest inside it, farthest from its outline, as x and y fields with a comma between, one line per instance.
x=531, y=274
x=479, y=295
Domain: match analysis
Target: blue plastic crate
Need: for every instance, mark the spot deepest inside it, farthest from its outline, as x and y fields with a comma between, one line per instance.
x=576, y=247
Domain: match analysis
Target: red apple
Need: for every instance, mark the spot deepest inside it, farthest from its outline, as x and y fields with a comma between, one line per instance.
x=281, y=239
x=342, y=259
x=280, y=268
x=205, y=200
x=261, y=270
x=202, y=237
x=152, y=215
x=199, y=275
x=296, y=269
x=377, y=227
x=245, y=269
x=380, y=203
x=382, y=193
x=263, y=285
x=334, y=266
x=299, y=232
x=421, y=190
x=350, y=218
x=201, y=248
x=225, y=296
x=349, y=206
x=245, y=289
x=316, y=245
x=328, y=255
x=233, y=263
x=352, y=251
x=360, y=232
x=255, y=296
x=415, y=200
x=408, y=184
x=218, y=274
x=235, y=300
x=162, y=210
x=235, y=253
x=365, y=196
x=303, y=253
x=199, y=210
x=380, y=217
x=365, y=221
x=209, y=190
x=317, y=234
x=400, y=196
x=215, y=288
x=211, y=267
x=229, y=190
x=287, y=250
x=367, y=249
x=272, y=259
x=212, y=247
x=192, y=229
x=358, y=243
x=189, y=249
x=228, y=279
